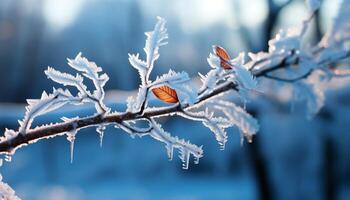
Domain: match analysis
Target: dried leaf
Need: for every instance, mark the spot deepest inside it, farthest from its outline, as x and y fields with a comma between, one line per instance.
x=166, y=94
x=224, y=57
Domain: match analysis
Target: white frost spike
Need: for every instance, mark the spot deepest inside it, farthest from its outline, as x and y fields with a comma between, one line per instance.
x=154, y=40
x=185, y=158
x=100, y=130
x=140, y=65
x=239, y=117
x=71, y=139
x=171, y=77
x=81, y=64
x=216, y=125
x=71, y=134
x=220, y=133
x=170, y=151
x=313, y=5
x=171, y=142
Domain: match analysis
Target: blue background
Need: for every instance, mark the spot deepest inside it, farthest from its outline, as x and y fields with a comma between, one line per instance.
x=290, y=158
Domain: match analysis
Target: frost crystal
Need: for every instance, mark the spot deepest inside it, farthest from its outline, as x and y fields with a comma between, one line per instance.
x=100, y=130
x=216, y=125
x=65, y=79
x=60, y=97
x=8, y=135
x=155, y=39
x=243, y=77
x=185, y=148
x=89, y=70
x=171, y=77
x=134, y=104
x=219, y=131
x=239, y=117
x=140, y=65
x=47, y=103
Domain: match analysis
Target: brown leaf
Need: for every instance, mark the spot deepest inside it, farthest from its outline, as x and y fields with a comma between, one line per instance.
x=166, y=94
x=224, y=57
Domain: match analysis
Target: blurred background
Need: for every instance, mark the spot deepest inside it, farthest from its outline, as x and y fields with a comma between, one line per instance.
x=291, y=157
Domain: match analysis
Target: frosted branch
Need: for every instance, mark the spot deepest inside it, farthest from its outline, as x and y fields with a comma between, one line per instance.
x=286, y=58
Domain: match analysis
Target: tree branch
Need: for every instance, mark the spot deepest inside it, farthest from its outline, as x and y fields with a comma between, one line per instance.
x=33, y=135
x=39, y=133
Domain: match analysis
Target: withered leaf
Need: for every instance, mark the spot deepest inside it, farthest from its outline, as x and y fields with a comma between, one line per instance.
x=224, y=57
x=166, y=94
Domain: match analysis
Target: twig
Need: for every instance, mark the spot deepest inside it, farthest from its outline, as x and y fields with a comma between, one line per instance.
x=289, y=80
x=8, y=146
